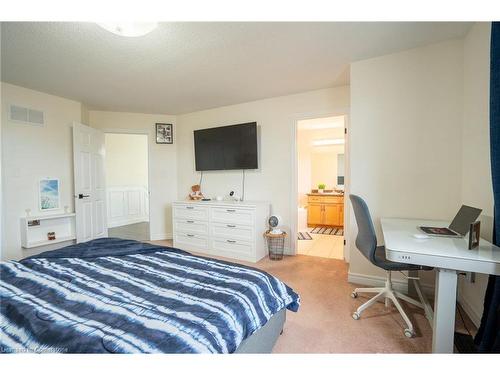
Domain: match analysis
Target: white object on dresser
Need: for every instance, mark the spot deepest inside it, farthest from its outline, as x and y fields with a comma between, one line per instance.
x=222, y=228
x=36, y=235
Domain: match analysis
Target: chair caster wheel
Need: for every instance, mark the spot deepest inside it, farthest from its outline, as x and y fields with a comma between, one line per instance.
x=354, y=295
x=355, y=316
x=409, y=333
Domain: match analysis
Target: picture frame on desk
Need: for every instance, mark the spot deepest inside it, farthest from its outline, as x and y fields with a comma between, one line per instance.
x=474, y=235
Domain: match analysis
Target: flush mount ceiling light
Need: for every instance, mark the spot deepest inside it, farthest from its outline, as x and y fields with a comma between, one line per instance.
x=131, y=29
x=328, y=142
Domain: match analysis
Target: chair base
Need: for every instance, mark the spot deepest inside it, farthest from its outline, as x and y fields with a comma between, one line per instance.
x=389, y=294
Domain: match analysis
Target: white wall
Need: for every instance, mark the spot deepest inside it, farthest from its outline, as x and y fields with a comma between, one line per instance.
x=476, y=167
x=405, y=137
x=30, y=153
x=163, y=167
x=276, y=118
x=126, y=167
x=126, y=159
x=324, y=165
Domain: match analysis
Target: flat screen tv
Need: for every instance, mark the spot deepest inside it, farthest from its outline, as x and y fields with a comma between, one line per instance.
x=226, y=147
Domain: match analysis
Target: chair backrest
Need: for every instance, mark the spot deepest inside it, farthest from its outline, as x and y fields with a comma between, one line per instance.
x=366, y=240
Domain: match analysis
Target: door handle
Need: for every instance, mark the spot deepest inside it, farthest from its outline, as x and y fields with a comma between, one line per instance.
x=231, y=241
x=81, y=196
x=231, y=226
x=190, y=221
x=231, y=210
x=190, y=235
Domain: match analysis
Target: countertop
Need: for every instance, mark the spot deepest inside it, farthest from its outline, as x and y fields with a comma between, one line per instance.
x=326, y=194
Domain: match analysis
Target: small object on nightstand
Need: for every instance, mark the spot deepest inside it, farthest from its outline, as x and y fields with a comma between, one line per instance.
x=474, y=234
x=51, y=236
x=196, y=194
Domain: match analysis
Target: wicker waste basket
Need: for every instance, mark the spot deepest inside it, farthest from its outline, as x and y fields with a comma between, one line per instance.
x=275, y=244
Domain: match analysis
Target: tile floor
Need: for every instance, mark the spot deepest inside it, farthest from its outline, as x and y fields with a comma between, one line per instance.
x=322, y=245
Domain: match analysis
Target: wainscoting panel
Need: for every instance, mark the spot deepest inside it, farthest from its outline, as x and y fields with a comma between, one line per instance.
x=127, y=205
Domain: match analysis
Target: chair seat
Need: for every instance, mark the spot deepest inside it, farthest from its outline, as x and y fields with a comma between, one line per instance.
x=388, y=265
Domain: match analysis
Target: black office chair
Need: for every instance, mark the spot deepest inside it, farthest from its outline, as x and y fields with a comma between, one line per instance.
x=366, y=242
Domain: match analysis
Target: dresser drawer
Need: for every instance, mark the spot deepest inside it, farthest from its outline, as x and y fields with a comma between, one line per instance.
x=191, y=241
x=191, y=226
x=236, y=248
x=233, y=231
x=232, y=216
x=190, y=211
x=333, y=199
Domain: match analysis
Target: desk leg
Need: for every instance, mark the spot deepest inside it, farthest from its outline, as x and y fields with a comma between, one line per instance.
x=444, y=311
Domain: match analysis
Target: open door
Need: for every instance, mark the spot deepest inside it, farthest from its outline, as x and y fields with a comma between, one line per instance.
x=90, y=186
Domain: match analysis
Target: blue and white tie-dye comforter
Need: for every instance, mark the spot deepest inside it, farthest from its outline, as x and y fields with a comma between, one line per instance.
x=121, y=296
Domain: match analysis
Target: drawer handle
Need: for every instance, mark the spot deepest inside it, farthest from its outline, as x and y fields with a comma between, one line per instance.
x=231, y=241
x=231, y=226
x=190, y=235
x=190, y=207
x=190, y=221
x=231, y=210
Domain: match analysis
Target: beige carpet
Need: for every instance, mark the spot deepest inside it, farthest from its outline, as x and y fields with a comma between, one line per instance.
x=323, y=323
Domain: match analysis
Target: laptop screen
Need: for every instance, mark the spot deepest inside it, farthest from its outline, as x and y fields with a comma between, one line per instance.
x=464, y=218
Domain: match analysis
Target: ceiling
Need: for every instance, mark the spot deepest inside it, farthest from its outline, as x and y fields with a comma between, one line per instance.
x=184, y=67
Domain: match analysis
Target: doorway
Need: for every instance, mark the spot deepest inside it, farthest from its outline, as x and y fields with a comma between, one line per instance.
x=320, y=170
x=127, y=186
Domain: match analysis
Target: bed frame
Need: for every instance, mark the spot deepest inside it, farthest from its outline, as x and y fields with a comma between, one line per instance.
x=263, y=340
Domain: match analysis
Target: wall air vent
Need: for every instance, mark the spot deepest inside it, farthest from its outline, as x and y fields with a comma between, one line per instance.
x=26, y=115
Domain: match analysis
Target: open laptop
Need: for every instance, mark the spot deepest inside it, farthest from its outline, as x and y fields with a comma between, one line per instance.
x=459, y=226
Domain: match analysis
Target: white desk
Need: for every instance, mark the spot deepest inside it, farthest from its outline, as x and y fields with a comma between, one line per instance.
x=447, y=255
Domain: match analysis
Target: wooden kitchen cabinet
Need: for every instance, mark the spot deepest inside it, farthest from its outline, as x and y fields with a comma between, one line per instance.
x=325, y=210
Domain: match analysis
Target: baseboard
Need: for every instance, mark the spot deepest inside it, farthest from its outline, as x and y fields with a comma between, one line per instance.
x=377, y=281
x=120, y=223
x=399, y=285
x=161, y=236
x=473, y=314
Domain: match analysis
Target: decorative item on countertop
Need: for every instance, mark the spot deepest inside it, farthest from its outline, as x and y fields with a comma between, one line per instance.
x=321, y=188
x=275, y=244
x=196, y=194
x=474, y=234
x=233, y=196
x=51, y=236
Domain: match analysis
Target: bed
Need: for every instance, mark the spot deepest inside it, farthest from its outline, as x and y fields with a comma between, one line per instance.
x=120, y=296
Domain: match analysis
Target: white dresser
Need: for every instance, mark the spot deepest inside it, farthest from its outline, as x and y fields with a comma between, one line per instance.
x=223, y=228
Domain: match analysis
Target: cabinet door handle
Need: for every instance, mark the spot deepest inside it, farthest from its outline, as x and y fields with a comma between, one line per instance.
x=190, y=207
x=190, y=235
x=231, y=226
x=231, y=241
x=230, y=210
x=190, y=221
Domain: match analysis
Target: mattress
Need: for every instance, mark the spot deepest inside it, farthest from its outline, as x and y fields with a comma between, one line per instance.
x=121, y=296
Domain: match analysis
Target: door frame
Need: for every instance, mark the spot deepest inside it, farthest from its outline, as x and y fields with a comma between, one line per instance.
x=294, y=213
x=147, y=133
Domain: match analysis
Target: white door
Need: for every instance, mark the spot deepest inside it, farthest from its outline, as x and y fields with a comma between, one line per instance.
x=90, y=187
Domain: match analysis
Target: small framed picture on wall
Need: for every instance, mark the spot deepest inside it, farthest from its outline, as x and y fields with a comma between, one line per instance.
x=164, y=133
x=49, y=194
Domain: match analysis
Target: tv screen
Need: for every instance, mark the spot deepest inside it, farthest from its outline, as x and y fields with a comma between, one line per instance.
x=226, y=147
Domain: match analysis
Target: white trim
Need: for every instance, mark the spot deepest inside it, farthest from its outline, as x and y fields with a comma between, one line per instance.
x=369, y=280
x=470, y=310
x=161, y=236
x=399, y=285
x=147, y=133
x=343, y=111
